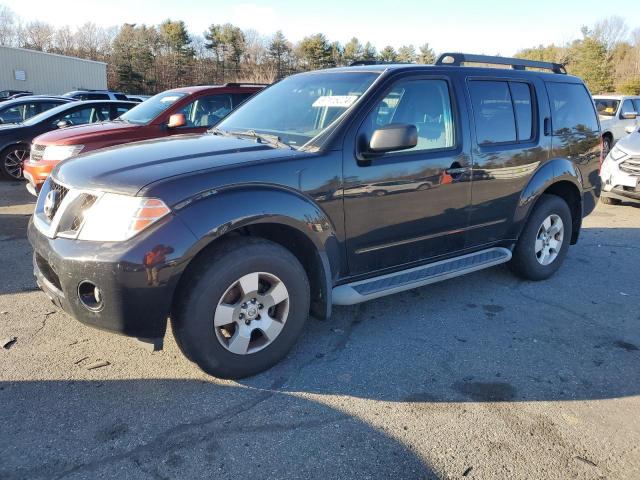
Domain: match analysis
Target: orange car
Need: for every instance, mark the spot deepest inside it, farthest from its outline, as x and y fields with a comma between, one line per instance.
x=177, y=111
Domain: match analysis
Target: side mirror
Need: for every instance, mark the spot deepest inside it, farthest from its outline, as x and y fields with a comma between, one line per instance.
x=393, y=137
x=629, y=115
x=177, y=120
x=631, y=128
x=63, y=123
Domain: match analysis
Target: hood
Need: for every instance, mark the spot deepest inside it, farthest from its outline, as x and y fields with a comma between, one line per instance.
x=85, y=133
x=630, y=143
x=127, y=168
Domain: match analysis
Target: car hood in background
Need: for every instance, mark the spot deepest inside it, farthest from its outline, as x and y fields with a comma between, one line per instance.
x=630, y=143
x=83, y=133
x=128, y=168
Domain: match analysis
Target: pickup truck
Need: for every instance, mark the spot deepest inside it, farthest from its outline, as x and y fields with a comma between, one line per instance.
x=238, y=234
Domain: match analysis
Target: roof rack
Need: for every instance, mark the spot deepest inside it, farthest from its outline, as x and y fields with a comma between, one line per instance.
x=457, y=59
x=359, y=63
x=243, y=84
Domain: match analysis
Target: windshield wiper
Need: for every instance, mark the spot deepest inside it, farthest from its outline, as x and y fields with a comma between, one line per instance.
x=261, y=137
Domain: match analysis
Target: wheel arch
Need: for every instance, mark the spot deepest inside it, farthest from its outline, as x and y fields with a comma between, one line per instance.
x=279, y=215
x=558, y=177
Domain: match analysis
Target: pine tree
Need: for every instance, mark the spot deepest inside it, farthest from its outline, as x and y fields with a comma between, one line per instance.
x=426, y=56
x=407, y=54
x=388, y=54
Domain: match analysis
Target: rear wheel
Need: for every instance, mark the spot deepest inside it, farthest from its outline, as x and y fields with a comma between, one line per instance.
x=12, y=160
x=241, y=308
x=544, y=242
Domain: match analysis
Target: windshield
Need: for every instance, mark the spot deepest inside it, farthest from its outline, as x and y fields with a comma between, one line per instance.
x=607, y=107
x=148, y=110
x=49, y=113
x=300, y=107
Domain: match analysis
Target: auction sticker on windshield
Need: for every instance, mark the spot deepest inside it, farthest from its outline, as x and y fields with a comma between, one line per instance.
x=340, y=101
x=169, y=99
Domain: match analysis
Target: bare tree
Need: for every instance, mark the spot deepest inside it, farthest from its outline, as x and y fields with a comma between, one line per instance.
x=7, y=26
x=38, y=36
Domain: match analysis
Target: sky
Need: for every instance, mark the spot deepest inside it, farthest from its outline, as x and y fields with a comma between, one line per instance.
x=489, y=27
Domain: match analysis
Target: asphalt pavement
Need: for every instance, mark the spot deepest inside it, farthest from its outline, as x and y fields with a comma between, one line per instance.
x=483, y=376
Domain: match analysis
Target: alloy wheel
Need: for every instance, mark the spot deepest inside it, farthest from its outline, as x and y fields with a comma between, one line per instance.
x=251, y=313
x=14, y=161
x=549, y=239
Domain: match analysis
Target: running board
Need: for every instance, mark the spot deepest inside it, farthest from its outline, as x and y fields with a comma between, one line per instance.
x=356, y=292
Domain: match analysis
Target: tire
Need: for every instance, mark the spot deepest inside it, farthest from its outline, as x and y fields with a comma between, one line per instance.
x=531, y=262
x=211, y=294
x=610, y=201
x=606, y=145
x=11, y=161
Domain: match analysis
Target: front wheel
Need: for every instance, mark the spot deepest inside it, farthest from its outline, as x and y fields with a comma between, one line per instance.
x=544, y=242
x=241, y=308
x=12, y=160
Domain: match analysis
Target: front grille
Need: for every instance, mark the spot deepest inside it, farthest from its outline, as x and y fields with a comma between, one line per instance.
x=62, y=192
x=631, y=166
x=37, y=151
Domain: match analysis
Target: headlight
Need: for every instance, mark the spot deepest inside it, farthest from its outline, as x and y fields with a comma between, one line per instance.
x=617, y=153
x=61, y=152
x=114, y=217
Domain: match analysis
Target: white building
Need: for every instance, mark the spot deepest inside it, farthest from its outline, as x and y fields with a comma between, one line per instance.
x=48, y=73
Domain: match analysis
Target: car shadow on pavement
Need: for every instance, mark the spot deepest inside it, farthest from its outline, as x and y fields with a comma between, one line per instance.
x=187, y=429
x=487, y=337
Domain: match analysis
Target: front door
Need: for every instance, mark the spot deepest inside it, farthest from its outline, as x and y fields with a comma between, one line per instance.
x=409, y=205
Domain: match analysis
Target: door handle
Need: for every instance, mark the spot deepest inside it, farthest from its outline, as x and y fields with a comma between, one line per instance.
x=547, y=126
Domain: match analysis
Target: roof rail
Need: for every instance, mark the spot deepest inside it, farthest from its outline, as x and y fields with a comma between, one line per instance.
x=457, y=59
x=245, y=84
x=359, y=63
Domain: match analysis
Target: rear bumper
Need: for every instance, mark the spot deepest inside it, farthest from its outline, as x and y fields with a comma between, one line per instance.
x=135, y=298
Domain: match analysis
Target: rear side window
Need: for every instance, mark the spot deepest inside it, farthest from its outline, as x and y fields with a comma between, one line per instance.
x=627, y=106
x=571, y=109
x=120, y=96
x=97, y=96
x=503, y=111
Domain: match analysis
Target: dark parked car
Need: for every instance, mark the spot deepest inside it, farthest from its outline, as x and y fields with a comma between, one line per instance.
x=173, y=112
x=23, y=108
x=6, y=94
x=96, y=95
x=15, y=139
x=238, y=234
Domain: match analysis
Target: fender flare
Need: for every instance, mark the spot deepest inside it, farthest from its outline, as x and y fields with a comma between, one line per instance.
x=551, y=172
x=214, y=213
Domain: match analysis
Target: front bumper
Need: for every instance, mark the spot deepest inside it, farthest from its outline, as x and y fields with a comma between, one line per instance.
x=136, y=296
x=619, y=184
x=36, y=173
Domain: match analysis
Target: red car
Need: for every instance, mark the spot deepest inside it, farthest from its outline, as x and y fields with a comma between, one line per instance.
x=177, y=111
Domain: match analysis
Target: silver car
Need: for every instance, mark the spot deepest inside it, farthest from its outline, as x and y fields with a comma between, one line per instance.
x=620, y=171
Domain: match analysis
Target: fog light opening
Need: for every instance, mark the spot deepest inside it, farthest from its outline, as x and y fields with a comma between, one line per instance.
x=90, y=295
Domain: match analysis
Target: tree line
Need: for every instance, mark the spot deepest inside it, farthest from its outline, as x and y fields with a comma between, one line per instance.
x=146, y=59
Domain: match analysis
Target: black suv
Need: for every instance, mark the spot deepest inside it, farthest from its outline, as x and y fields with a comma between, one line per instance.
x=329, y=188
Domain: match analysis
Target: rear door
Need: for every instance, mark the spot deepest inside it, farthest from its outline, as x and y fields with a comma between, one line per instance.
x=508, y=147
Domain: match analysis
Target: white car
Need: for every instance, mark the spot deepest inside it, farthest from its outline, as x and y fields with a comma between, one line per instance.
x=616, y=113
x=620, y=172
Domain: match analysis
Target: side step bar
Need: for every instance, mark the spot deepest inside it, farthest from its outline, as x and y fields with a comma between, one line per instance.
x=363, y=290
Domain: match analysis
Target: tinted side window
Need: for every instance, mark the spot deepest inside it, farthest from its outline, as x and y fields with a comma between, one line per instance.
x=627, y=106
x=423, y=103
x=636, y=104
x=493, y=112
x=522, y=105
x=120, y=96
x=97, y=96
x=238, y=98
x=207, y=111
x=571, y=109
